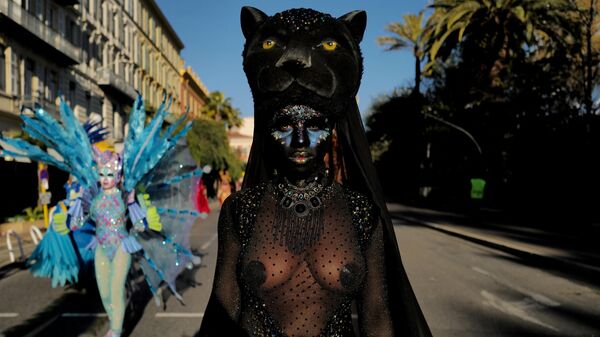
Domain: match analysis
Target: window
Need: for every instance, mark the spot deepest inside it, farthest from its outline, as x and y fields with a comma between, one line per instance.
x=72, y=93
x=121, y=66
x=29, y=70
x=70, y=32
x=117, y=122
x=2, y=70
x=53, y=17
x=52, y=82
x=88, y=103
x=15, y=74
x=85, y=48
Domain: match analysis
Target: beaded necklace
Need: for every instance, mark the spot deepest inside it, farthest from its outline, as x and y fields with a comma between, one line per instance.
x=299, y=214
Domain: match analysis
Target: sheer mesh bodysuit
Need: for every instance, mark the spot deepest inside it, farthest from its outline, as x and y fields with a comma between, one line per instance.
x=307, y=294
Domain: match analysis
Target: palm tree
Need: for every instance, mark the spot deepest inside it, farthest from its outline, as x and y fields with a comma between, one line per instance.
x=408, y=34
x=502, y=28
x=219, y=108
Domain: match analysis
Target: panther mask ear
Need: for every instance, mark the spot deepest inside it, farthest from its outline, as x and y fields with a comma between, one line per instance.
x=251, y=18
x=356, y=21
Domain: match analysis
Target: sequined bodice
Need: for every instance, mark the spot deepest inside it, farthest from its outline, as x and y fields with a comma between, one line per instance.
x=108, y=212
x=306, y=294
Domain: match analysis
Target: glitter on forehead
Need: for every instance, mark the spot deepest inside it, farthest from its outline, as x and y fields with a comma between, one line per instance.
x=298, y=112
x=302, y=19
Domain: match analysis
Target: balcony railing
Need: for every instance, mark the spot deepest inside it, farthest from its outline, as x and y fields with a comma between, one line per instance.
x=109, y=79
x=31, y=102
x=36, y=27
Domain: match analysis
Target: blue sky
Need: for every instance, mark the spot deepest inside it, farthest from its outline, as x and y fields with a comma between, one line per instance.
x=213, y=42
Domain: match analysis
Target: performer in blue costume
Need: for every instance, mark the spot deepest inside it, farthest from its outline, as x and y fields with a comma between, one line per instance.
x=152, y=227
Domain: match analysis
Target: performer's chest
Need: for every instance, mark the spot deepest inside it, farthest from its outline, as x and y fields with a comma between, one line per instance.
x=334, y=261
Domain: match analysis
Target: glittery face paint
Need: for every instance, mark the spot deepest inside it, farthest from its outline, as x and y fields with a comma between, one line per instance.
x=108, y=178
x=301, y=134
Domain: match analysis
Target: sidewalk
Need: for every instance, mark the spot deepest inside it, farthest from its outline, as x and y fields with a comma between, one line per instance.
x=566, y=249
x=28, y=247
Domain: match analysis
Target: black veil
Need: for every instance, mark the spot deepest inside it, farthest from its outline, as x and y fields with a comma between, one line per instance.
x=353, y=160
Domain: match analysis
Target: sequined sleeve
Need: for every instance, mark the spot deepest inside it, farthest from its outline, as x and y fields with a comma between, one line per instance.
x=372, y=300
x=364, y=216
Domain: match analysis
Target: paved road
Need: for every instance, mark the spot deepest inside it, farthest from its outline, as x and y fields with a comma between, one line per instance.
x=29, y=306
x=464, y=290
x=469, y=290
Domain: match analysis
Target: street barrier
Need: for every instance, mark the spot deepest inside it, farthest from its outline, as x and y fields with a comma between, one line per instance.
x=11, y=253
x=36, y=234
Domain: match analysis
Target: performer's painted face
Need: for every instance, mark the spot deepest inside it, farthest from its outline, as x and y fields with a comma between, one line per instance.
x=301, y=136
x=108, y=178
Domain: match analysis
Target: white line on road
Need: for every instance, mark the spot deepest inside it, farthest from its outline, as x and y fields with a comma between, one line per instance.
x=209, y=242
x=179, y=315
x=83, y=314
x=517, y=309
x=8, y=314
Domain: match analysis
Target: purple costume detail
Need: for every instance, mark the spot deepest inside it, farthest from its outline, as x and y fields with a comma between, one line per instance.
x=108, y=212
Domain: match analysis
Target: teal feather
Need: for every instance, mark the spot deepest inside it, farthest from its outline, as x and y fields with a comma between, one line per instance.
x=68, y=138
x=148, y=145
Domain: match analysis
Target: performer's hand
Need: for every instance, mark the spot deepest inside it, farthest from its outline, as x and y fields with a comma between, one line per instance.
x=131, y=197
x=139, y=226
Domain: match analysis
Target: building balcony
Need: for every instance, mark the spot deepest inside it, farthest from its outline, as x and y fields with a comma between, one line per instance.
x=31, y=102
x=29, y=30
x=67, y=2
x=115, y=85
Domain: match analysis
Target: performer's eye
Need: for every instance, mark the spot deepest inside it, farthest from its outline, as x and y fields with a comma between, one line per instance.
x=285, y=127
x=329, y=45
x=268, y=43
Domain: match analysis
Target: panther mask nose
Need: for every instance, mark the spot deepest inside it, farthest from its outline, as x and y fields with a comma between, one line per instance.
x=294, y=58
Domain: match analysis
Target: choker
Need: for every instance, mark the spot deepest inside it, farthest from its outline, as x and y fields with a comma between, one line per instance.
x=299, y=214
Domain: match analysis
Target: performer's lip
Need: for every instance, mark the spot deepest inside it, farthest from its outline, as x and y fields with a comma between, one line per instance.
x=300, y=157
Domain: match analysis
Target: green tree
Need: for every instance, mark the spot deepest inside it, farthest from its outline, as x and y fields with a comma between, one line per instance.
x=589, y=17
x=209, y=145
x=219, y=108
x=501, y=29
x=409, y=34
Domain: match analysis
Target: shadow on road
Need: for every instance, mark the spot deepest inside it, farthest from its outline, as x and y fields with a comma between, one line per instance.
x=576, y=243
x=50, y=321
x=83, y=298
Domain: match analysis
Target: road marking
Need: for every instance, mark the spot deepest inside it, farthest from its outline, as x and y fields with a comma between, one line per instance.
x=83, y=314
x=535, y=297
x=517, y=309
x=179, y=315
x=484, y=272
x=8, y=314
x=209, y=242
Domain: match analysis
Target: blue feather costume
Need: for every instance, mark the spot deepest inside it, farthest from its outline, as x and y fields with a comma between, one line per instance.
x=161, y=215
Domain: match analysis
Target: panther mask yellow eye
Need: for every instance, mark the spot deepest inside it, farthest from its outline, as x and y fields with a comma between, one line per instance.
x=329, y=45
x=268, y=44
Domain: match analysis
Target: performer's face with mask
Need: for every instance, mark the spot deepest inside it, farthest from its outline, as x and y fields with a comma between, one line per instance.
x=108, y=178
x=301, y=137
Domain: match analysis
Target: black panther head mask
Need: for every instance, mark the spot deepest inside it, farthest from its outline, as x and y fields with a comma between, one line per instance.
x=302, y=57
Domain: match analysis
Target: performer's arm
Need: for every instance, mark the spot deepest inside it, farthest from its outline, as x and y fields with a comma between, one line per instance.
x=225, y=285
x=69, y=219
x=373, y=308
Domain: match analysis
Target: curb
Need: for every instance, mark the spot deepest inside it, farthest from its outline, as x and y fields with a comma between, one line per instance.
x=558, y=263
